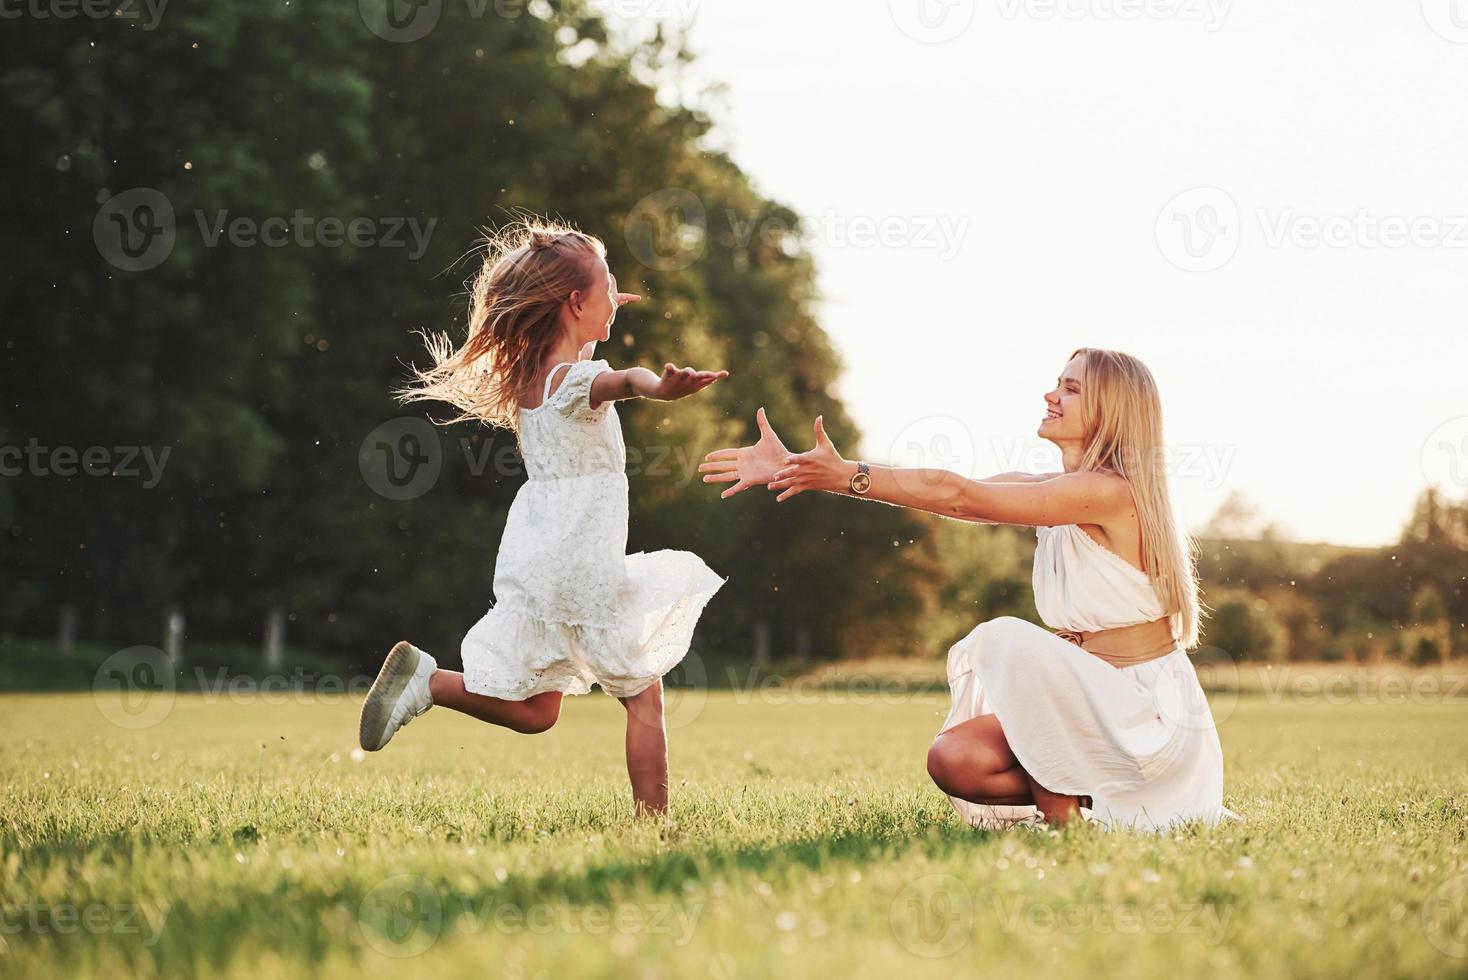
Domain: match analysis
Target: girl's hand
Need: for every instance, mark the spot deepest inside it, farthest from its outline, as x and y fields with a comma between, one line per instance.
x=675, y=383
x=751, y=466
x=820, y=469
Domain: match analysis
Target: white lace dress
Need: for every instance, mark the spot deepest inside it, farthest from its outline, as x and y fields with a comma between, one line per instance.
x=572, y=607
x=1139, y=740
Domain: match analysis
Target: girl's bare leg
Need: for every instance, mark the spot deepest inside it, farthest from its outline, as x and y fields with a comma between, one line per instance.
x=647, y=751
x=529, y=717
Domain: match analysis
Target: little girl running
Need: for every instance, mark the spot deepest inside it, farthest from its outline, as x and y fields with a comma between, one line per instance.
x=573, y=608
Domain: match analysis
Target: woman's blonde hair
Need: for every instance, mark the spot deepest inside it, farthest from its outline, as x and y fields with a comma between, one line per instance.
x=529, y=269
x=1122, y=415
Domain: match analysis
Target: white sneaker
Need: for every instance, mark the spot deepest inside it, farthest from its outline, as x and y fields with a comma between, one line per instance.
x=399, y=695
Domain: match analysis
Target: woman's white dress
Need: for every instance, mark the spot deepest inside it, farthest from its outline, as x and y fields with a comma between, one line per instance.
x=572, y=607
x=1139, y=740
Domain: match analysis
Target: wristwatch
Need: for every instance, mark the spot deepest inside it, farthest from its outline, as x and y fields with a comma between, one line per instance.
x=861, y=480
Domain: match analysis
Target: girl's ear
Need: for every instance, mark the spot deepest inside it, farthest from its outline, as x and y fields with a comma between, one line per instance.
x=575, y=303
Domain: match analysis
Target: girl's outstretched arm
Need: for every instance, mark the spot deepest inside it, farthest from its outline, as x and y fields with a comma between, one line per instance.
x=1070, y=498
x=672, y=384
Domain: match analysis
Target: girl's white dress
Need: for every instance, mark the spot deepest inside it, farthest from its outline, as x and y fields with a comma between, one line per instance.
x=1139, y=740
x=572, y=607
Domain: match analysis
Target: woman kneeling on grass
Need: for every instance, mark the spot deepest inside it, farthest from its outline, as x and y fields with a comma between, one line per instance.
x=1105, y=714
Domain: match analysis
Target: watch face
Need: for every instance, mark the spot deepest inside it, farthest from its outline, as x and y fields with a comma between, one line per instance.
x=861, y=483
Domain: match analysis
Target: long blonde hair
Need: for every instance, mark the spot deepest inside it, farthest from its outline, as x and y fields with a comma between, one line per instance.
x=529, y=269
x=1122, y=415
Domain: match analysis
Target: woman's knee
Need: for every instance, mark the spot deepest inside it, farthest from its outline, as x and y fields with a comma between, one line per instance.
x=943, y=762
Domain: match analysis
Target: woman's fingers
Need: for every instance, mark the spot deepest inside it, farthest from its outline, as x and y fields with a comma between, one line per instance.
x=624, y=298
x=718, y=466
x=721, y=454
x=729, y=477
x=737, y=488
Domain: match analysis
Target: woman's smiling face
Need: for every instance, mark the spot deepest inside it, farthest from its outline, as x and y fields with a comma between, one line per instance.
x=1062, y=421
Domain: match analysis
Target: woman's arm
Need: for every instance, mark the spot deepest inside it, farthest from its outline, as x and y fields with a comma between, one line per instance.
x=1070, y=498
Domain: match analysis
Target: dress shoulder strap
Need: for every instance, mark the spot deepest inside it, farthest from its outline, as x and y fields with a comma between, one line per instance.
x=545, y=395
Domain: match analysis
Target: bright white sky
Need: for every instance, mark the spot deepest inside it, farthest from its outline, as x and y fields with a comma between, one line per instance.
x=1051, y=138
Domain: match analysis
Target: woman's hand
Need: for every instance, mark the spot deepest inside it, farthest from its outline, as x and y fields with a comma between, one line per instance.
x=751, y=466
x=820, y=469
x=675, y=383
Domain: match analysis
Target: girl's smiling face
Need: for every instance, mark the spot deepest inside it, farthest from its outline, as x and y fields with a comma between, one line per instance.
x=594, y=308
x=1062, y=421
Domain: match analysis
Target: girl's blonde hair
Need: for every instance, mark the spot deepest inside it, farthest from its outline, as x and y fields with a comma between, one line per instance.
x=529, y=269
x=1122, y=415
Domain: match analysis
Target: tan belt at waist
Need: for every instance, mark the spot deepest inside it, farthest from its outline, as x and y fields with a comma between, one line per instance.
x=1126, y=646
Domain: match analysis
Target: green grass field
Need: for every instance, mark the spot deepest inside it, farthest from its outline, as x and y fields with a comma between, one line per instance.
x=240, y=838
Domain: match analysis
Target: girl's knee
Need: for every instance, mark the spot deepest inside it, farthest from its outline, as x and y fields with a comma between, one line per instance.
x=543, y=711
x=647, y=705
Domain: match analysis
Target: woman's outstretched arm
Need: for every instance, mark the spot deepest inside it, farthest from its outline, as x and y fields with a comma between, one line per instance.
x=1069, y=498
